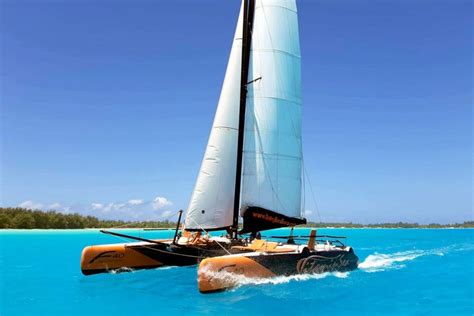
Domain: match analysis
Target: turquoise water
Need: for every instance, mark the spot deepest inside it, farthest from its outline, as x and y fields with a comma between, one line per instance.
x=402, y=272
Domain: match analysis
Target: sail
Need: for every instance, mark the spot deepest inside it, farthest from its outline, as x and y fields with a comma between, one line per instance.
x=272, y=174
x=211, y=205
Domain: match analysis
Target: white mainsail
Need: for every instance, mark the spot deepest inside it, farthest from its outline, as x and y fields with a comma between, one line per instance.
x=272, y=174
x=211, y=204
x=272, y=154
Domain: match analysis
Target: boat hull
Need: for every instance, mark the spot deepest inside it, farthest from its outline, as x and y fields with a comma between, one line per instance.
x=221, y=273
x=114, y=257
x=146, y=255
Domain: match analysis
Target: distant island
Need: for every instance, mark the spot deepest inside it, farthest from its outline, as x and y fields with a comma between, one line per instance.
x=22, y=218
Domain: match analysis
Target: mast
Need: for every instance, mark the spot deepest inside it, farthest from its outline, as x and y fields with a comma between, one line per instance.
x=249, y=7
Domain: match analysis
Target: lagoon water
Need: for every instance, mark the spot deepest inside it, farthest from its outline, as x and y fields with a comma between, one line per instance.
x=401, y=272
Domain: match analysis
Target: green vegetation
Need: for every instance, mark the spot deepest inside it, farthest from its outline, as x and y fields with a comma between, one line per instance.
x=24, y=218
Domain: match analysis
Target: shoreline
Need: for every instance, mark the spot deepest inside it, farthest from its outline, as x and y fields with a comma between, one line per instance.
x=168, y=229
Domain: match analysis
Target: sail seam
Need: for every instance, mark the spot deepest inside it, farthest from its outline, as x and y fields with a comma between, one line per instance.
x=226, y=127
x=273, y=50
x=274, y=6
x=277, y=98
x=276, y=155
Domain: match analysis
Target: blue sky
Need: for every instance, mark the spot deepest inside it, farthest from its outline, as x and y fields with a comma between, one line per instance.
x=106, y=106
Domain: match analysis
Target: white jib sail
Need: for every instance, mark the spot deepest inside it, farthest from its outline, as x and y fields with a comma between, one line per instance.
x=272, y=174
x=212, y=201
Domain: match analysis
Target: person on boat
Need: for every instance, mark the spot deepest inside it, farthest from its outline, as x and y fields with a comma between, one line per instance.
x=196, y=238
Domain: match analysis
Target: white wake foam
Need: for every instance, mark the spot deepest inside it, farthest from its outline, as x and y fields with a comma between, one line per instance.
x=121, y=270
x=238, y=279
x=381, y=262
x=286, y=279
x=166, y=268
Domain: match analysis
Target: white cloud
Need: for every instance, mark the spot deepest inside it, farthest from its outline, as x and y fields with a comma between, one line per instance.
x=55, y=206
x=158, y=208
x=31, y=205
x=58, y=207
x=160, y=203
x=116, y=206
x=67, y=209
x=166, y=213
x=133, y=209
x=97, y=206
x=135, y=202
x=107, y=208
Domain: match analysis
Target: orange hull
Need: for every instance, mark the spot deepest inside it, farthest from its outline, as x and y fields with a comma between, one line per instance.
x=220, y=273
x=102, y=258
x=270, y=259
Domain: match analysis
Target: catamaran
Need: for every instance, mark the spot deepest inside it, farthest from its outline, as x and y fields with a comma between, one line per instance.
x=269, y=173
x=252, y=168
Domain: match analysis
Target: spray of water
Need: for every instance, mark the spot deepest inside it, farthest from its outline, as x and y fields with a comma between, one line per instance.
x=376, y=262
x=121, y=270
x=238, y=280
x=381, y=262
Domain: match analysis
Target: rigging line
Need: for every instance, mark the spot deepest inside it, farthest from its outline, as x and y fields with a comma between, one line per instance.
x=168, y=252
x=163, y=251
x=303, y=184
x=208, y=233
x=312, y=193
